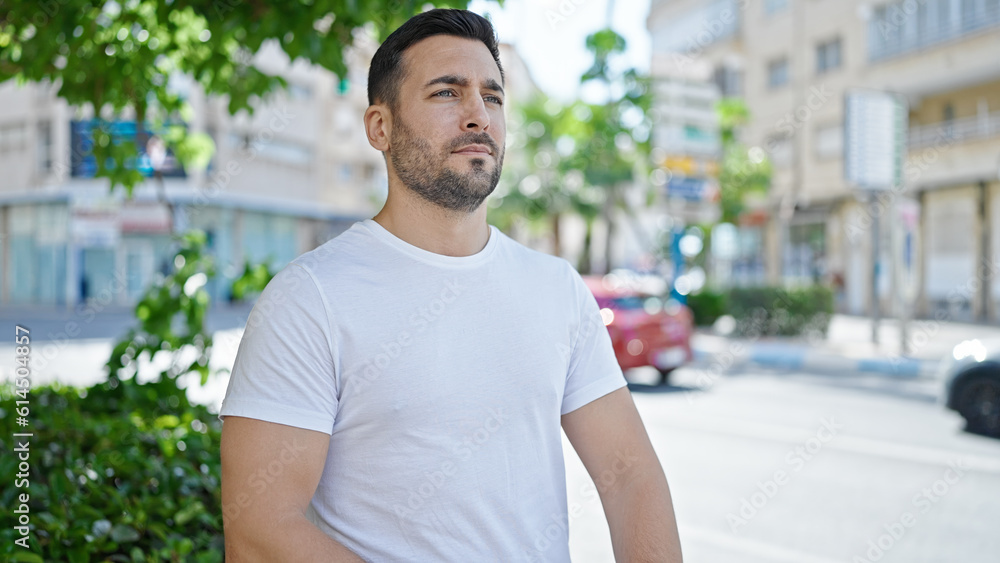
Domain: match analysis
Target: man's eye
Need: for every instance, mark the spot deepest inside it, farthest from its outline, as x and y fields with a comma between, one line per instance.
x=495, y=100
x=443, y=92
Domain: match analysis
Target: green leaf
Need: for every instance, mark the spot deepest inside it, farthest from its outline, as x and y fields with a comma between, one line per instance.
x=25, y=557
x=185, y=514
x=122, y=533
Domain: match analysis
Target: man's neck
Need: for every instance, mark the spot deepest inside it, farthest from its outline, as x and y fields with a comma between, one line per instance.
x=432, y=228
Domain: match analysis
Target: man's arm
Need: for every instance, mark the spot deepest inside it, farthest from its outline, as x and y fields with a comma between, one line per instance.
x=612, y=442
x=269, y=474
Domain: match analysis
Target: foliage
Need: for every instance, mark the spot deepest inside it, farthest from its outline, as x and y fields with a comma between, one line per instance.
x=744, y=171
x=776, y=311
x=614, y=136
x=707, y=306
x=179, y=299
x=119, y=472
x=546, y=132
x=118, y=55
x=172, y=313
x=579, y=154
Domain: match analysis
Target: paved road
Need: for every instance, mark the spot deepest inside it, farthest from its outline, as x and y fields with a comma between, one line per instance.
x=798, y=468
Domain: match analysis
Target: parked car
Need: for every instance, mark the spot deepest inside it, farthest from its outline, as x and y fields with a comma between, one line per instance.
x=971, y=378
x=645, y=329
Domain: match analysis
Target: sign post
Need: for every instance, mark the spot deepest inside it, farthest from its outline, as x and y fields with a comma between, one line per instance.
x=875, y=126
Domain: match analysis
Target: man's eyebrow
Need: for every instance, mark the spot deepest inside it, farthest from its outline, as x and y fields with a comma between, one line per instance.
x=489, y=83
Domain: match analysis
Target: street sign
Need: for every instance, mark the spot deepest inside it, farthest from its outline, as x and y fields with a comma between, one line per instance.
x=875, y=125
x=692, y=189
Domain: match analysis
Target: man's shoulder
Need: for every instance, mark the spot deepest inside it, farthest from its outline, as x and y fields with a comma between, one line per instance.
x=329, y=263
x=332, y=256
x=539, y=265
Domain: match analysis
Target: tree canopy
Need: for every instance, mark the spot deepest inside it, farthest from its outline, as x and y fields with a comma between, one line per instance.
x=121, y=54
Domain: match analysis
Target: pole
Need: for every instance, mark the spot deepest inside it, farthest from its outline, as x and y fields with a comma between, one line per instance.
x=899, y=280
x=875, y=268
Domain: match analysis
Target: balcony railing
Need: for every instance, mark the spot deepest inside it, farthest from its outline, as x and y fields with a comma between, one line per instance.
x=955, y=131
x=896, y=30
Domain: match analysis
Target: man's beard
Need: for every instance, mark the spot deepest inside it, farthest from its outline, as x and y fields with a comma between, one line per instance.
x=425, y=173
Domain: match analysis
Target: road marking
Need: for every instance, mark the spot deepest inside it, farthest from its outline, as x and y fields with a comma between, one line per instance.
x=852, y=444
x=747, y=546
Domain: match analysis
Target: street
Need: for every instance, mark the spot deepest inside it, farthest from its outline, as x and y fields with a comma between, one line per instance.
x=770, y=466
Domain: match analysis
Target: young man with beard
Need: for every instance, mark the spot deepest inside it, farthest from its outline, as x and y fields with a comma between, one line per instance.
x=399, y=391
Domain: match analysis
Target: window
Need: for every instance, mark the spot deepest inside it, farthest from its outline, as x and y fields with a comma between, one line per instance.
x=44, y=147
x=299, y=92
x=12, y=137
x=830, y=141
x=805, y=253
x=729, y=80
x=828, y=56
x=777, y=73
x=772, y=6
x=780, y=150
x=902, y=26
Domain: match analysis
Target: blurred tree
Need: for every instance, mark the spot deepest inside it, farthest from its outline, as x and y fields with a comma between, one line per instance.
x=121, y=54
x=577, y=157
x=539, y=185
x=614, y=137
x=743, y=171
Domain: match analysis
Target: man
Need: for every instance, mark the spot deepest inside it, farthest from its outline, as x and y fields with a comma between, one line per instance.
x=398, y=393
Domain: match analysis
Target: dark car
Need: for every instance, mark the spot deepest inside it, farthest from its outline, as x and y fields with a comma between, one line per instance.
x=645, y=329
x=971, y=378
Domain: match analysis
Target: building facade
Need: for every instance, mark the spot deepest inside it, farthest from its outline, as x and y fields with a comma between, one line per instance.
x=794, y=61
x=281, y=181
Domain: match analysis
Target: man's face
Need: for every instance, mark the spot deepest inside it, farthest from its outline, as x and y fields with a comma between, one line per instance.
x=448, y=129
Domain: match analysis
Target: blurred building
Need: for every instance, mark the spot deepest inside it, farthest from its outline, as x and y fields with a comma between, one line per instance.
x=292, y=175
x=793, y=61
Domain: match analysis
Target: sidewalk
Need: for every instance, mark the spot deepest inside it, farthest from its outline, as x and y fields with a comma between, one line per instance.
x=847, y=348
x=72, y=346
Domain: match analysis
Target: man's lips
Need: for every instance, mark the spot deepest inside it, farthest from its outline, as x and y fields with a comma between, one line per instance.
x=477, y=150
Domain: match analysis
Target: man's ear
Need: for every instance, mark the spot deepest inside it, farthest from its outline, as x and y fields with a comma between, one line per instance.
x=378, y=126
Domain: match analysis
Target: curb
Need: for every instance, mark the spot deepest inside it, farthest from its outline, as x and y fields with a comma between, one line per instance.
x=796, y=357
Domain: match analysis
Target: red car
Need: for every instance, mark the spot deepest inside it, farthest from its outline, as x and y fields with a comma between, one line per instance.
x=645, y=330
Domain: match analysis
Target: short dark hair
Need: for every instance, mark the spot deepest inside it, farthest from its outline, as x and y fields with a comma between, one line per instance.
x=387, y=72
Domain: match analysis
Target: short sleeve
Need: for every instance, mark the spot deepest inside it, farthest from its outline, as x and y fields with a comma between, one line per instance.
x=284, y=368
x=593, y=368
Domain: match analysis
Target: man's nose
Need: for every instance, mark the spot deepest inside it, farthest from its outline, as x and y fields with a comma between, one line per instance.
x=475, y=116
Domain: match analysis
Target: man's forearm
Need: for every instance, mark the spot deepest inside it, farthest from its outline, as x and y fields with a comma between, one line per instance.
x=642, y=522
x=293, y=539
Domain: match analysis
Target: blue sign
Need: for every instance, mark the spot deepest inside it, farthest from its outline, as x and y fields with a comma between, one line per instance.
x=691, y=189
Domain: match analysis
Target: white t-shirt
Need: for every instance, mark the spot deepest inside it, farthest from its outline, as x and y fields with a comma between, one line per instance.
x=441, y=381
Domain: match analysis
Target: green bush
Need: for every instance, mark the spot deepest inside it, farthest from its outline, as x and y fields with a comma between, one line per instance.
x=707, y=306
x=118, y=472
x=775, y=311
